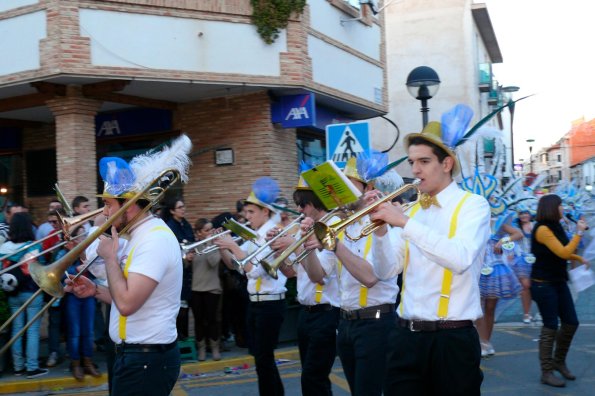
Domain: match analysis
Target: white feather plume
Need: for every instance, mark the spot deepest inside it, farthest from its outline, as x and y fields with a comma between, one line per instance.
x=147, y=167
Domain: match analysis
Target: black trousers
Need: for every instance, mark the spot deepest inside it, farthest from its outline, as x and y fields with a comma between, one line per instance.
x=205, y=307
x=443, y=362
x=264, y=323
x=317, y=337
x=361, y=345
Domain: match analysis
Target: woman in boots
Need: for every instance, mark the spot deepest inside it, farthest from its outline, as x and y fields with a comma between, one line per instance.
x=206, y=293
x=80, y=316
x=552, y=250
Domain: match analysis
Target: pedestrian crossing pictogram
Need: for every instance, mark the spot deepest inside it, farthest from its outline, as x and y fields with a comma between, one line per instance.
x=347, y=140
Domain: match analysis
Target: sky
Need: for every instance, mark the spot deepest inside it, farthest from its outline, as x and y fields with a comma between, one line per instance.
x=548, y=50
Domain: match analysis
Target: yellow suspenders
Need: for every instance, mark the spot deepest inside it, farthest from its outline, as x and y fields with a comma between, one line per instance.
x=447, y=278
x=363, y=290
x=122, y=319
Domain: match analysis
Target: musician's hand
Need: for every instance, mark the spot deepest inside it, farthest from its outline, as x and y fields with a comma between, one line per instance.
x=390, y=213
x=190, y=255
x=108, y=247
x=586, y=263
x=225, y=241
x=282, y=243
x=82, y=287
x=581, y=225
x=498, y=247
x=273, y=232
x=306, y=224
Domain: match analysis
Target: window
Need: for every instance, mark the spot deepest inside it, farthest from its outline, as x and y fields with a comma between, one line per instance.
x=559, y=158
x=311, y=147
x=41, y=172
x=559, y=175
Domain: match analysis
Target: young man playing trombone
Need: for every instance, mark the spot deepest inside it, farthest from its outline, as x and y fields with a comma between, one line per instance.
x=433, y=348
x=266, y=310
x=144, y=284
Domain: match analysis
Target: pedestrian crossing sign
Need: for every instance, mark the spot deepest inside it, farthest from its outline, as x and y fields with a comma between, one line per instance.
x=344, y=141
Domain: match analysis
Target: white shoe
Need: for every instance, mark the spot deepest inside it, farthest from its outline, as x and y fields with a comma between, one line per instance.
x=527, y=319
x=52, y=359
x=487, y=349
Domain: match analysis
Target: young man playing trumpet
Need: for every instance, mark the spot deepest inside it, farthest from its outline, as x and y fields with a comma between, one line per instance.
x=318, y=293
x=266, y=310
x=367, y=302
x=433, y=348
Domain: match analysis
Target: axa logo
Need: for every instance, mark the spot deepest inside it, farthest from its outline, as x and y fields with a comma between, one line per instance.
x=296, y=113
x=109, y=128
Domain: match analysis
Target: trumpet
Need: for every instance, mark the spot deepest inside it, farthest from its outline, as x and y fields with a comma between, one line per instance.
x=232, y=225
x=327, y=235
x=242, y=263
x=272, y=267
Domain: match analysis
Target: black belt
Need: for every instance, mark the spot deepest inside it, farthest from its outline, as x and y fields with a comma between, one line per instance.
x=374, y=312
x=433, y=325
x=144, y=348
x=318, y=308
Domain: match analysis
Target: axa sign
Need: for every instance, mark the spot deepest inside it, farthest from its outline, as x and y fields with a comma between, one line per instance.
x=294, y=111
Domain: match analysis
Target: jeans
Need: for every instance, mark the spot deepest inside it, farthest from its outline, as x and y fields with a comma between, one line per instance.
x=54, y=333
x=145, y=373
x=361, y=345
x=80, y=317
x=32, y=351
x=554, y=300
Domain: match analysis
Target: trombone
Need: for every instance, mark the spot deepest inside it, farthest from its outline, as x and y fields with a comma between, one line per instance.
x=272, y=267
x=241, y=263
x=67, y=225
x=327, y=235
x=49, y=278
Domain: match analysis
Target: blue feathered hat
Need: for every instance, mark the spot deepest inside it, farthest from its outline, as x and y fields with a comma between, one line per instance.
x=447, y=133
x=264, y=192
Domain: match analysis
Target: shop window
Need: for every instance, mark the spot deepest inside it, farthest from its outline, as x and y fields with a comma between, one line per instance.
x=311, y=147
x=41, y=172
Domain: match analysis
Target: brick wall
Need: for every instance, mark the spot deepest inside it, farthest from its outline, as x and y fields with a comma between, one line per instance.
x=243, y=124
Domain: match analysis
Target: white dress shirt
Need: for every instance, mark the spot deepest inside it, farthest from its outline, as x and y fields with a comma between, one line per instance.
x=330, y=291
x=383, y=292
x=431, y=251
x=268, y=285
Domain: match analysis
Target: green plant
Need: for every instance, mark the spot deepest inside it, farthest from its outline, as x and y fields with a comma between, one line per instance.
x=270, y=16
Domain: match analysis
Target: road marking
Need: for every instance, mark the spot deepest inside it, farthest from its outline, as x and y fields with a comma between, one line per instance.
x=339, y=381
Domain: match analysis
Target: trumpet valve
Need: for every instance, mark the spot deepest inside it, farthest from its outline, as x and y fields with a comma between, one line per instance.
x=326, y=235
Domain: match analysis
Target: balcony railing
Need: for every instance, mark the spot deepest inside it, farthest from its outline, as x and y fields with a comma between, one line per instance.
x=485, y=77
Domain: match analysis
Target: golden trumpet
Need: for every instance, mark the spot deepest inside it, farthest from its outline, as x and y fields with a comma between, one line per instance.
x=327, y=235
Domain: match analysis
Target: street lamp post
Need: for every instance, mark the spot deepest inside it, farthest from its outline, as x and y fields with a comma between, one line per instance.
x=509, y=90
x=422, y=84
x=530, y=141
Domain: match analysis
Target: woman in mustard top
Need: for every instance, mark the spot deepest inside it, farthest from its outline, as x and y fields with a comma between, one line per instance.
x=552, y=250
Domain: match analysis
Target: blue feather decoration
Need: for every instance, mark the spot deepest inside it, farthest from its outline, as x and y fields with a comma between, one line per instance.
x=266, y=189
x=454, y=124
x=370, y=166
x=117, y=174
x=305, y=166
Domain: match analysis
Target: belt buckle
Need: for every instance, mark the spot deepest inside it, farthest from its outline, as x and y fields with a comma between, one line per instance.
x=412, y=327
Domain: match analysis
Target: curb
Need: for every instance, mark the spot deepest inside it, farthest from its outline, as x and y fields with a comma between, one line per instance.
x=190, y=368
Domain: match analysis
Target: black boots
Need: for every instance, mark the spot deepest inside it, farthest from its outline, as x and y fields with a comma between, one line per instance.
x=563, y=340
x=546, y=346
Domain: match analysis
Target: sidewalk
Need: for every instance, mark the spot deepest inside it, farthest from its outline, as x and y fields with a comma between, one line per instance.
x=59, y=377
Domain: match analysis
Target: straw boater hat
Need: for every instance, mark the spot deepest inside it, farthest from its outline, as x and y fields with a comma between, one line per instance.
x=123, y=180
x=351, y=170
x=264, y=192
x=301, y=184
x=433, y=133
